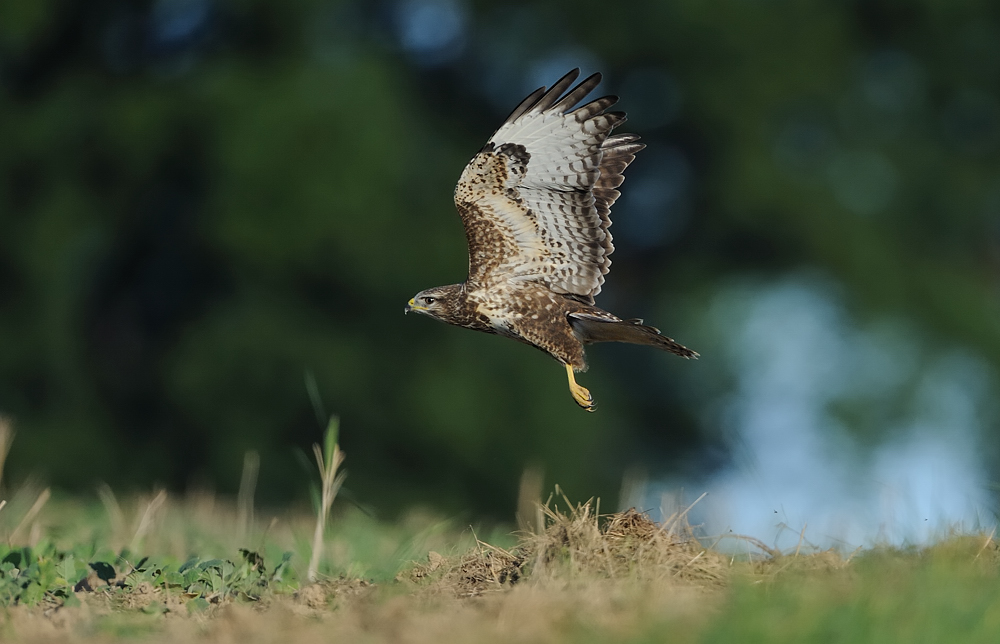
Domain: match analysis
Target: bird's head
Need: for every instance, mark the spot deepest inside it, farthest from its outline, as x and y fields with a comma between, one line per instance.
x=437, y=302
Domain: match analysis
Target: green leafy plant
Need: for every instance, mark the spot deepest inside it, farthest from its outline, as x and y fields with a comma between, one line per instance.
x=29, y=576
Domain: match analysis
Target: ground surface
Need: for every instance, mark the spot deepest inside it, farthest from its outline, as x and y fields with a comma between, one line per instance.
x=198, y=569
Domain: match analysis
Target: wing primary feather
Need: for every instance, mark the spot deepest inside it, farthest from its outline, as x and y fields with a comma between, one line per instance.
x=526, y=104
x=577, y=94
x=594, y=108
x=617, y=117
x=551, y=96
x=618, y=139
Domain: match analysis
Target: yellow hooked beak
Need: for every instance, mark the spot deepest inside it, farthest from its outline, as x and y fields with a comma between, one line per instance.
x=410, y=306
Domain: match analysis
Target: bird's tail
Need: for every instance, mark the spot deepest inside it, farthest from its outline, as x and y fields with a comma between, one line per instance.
x=591, y=330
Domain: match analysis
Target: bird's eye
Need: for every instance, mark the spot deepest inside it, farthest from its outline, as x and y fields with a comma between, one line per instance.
x=429, y=300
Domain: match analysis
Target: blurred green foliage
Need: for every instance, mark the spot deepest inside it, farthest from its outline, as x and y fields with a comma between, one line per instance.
x=201, y=201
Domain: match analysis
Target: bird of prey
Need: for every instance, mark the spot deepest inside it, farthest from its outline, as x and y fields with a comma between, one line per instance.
x=535, y=203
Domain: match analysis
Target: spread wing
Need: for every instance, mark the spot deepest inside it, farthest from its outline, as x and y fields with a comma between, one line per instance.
x=536, y=200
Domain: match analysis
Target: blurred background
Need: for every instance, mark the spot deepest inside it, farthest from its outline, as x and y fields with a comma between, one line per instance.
x=204, y=204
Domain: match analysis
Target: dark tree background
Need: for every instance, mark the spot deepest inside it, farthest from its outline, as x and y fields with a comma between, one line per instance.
x=201, y=201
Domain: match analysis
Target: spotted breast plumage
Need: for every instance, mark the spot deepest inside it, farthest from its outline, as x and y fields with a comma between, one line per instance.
x=535, y=203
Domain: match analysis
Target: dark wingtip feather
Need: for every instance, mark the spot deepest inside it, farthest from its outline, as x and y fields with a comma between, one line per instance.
x=578, y=93
x=557, y=89
x=543, y=98
x=525, y=105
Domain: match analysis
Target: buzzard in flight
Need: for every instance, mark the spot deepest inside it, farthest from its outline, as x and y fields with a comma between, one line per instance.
x=535, y=204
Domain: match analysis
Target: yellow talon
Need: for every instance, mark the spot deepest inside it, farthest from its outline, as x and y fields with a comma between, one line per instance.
x=580, y=393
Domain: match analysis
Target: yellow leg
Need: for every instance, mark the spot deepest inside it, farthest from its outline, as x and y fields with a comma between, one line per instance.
x=580, y=393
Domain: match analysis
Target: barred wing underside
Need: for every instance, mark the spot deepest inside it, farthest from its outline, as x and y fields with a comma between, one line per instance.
x=536, y=200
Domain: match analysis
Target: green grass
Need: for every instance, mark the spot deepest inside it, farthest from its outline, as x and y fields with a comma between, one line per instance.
x=949, y=593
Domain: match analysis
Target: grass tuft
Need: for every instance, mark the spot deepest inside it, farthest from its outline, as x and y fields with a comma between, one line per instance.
x=576, y=543
x=328, y=459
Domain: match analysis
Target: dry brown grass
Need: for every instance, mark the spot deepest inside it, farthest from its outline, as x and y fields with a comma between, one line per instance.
x=578, y=544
